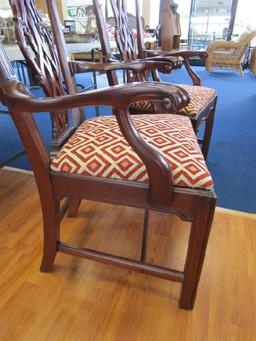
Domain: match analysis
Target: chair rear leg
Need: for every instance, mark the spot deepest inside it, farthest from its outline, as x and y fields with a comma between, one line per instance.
x=198, y=239
x=208, y=131
x=73, y=207
x=51, y=220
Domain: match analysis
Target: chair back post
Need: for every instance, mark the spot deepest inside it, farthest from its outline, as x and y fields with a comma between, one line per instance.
x=105, y=45
x=77, y=114
x=140, y=39
x=125, y=39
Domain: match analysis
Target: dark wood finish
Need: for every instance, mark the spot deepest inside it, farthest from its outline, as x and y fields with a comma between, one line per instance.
x=73, y=207
x=143, y=253
x=196, y=206
x=106, y=49
x=127, y=46
x=78, y=113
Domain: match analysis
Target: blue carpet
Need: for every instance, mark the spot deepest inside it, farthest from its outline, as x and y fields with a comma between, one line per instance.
x=232, y=156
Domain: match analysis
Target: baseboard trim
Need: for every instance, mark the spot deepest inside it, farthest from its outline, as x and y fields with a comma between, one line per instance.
x=237, y=213
x=17, y=170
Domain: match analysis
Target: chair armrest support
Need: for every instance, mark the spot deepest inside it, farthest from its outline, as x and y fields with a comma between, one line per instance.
x=185, y=55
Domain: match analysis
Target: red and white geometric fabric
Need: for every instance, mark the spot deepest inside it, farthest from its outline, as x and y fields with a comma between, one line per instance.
x=200, y=97
x=99, y=149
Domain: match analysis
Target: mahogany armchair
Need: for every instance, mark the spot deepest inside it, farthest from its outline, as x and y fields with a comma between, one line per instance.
x=119, y=159
x=202, y=100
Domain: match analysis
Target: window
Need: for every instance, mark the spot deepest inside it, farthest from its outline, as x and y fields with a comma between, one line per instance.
x=184, y=11
x=209, y=21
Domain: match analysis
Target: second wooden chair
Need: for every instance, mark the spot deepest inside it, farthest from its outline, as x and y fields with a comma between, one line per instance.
x=202, y=99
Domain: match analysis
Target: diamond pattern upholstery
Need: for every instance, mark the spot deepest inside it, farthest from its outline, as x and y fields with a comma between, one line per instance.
x=99, y=149
x=200, y=97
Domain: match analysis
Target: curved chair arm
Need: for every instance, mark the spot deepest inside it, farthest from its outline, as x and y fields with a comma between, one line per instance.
x=174, y=61
x=185, y=55
x=138, y=66
x=18, y=99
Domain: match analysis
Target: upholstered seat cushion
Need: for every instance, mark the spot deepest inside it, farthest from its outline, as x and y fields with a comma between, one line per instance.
x=99, y=149
x=200, y=97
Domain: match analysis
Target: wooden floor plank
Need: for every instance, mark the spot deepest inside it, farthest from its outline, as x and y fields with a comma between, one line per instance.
x=83, y=300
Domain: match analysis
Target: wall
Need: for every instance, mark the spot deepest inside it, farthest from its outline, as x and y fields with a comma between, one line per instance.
x=41, y=4
x=4, y=4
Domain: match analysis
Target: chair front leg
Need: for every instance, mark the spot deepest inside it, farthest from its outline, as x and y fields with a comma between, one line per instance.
x=208, y=130
x=198, y=239
x=51, y=221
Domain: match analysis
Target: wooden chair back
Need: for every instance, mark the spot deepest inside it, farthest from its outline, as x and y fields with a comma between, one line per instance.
x=129, y=47
x=39, y=50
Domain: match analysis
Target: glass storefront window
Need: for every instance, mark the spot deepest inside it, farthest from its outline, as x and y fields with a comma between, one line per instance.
x=209, y=21
x=184, y=12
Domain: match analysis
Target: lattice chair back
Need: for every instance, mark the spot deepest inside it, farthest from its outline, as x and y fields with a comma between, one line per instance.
x=128, y=45
x=38, y=48
x=124, y=35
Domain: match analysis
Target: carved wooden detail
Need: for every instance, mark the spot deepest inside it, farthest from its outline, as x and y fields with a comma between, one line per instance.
x=38, y=48
x=124, y=35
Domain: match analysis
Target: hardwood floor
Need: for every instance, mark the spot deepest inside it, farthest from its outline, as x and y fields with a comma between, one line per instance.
x=83, y=300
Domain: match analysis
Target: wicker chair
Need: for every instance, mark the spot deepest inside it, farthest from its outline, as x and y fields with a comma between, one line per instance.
x=224, y=54
x=253, y=61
